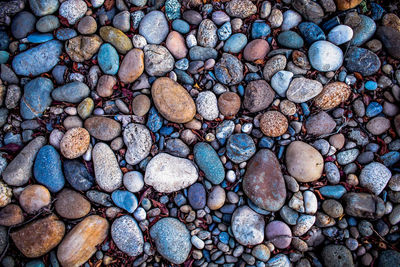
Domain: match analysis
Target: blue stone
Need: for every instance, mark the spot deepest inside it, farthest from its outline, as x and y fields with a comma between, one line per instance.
x=208, y=161
x=66, y=34
x=202, y=53
x=11, y=138
x=389, y=258
x=173, y=9
x=241, y=90
x=342, y=75
x=4, y=56
x=125, y=200
x=224, y=130
x=333, y=191
x=364, y=31
x=182, y=64
x=43, y=7
x=330, y=24
x=166, y=130
x=223, y=237
x=181, y=26
x=371, y=85
x=47, y=23
x=290, y=39
x=352, y=221
x=38, y=60
x=235, y=43
x=35, y=263
x=362, y=60
x=4, y=40
x=240, y=147
x=252, y=76
x=260, y=29
x=36, y=98
x=180, y=200
x=228, y=208
x=257, y=209
x=390, y=158
x=206, y=255
x=38, y=38
x=154, y=121
x=47, y=169
x=183, y=77
x=108, y=59
x=266, y=142
x=22, y=47
x=77, y=175
x=225, y=31
x=311, y=32
x=136, y=18
x=22, y=24
x=197, y=196
x=373, y=109
x=73, y=92
x=377, y=11
x=305, y=108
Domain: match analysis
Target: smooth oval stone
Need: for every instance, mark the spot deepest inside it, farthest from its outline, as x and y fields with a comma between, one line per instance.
x=349, y=4
x=172, y=239
x=290, y=20
x=47, y=169
x=208, y=161
x=172, y=100
x=207, y=33
x=302, y=89
x=207, y=105
x=44, y=7
x=34, y=197
x=304, y=162
x=279, y=233
x=256, y=49
x=310, y=10
x=117, y=38
x=77, y=175
x=168, y=174
x=247, y=226
x=332, y=95
x=19, y=170
x=240, y=147
x=311, y=32
x=37, y=38
x=337, y=256
x=229, y=70
x=197, y=196
x=39, y=237
x=320, y=124
x=363, y=61
x=47, y=24
x=108, y=59
x=216, y=198
x=154, y=27
x=73, y=92
x=390, y=39
x=202, y=53
x=74, y=143
x=138, y=140
x=375, y=176
x=36, y=98
x=181, y=26
x=80, y=243
x=363, y=31
x=107, y=172
x=65, y=34
x=263, y=182
x=241, y=8
x=260, y=29
x=127, y=235
x=325, y=56
x=71, y=204
x=290, y=39
x=22, y=24
x=235, y=43
x=125, y=200
x=103, y=128
x=11, y=215
x=340, y=34
x=37, y=60
x=132, y=66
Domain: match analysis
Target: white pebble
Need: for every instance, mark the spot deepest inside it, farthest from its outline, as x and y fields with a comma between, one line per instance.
x=140, y=214
x=133, y=181
x=310, y=202
x=231, y=176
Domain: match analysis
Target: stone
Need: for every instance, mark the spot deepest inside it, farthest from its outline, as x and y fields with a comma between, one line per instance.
x=22, y=24
x=337, y=255
x=229, y=70
x=240, y=147
x=340, y=34
x=121, y=21
x=73, y=92
x=320, y=124
x=74, y=143
x=47, y=24
x=141, y=105
x=310, y=10
x=374, y=177
x=256, y=49
x=197, y=196
x=216, y=198
x=39, y=237
x=83, y=48
x=304, y=162
x=172, y=239
x=47, y=169
x=325, y=56
x=108, y=59
x=132, y=66
x=208, y=161
x=332, y=95
x=138, y=140
x=73, y=10
x=127, y=235
x=240, y=8
x=303, y=89
x=33, y=198
x=362, y=31
x=207, y=34
x=280, y=82
x=117, y=38
x=378, y=125
x=19, y=170
x=362, y=60
x=71, y=204
x=176, y=45
x=363, y=205
x=273, y=65
x=172, y=100
x=279, y=234
x=102, y=128
x=80, y=243
x=347, y=4
x=390, y=39
x=207, y=105
x=125, y=200
x=154, y=27
x=87, y=25
x=229, y=103
x=43, y=7
x=263, y=182
x=333, y=208
x=290, y=20
x=273, y=123
x=304, y=224
x=247, y=226
x=38, y=60
x=11, y=215
x=133, y=181
x=311, y=32
x=157, y=60
x=290, y=39
x=235, y=43
x=388, y=258
x=107, y=172
x=258, y=96
x=105, y=85
x=36, y=98
x=202, y=53
x=225, y=31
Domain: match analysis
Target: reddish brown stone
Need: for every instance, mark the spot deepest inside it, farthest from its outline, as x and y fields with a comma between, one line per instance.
x=256, y=49
x=11, y=215
x=229, y=103
x=273, y=123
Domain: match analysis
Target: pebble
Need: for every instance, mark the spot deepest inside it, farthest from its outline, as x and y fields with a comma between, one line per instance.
x=74, y=143
x=240, y=147
x=108, y=59
x=229, y=70
x=280, y=82
x=256, y=49
x=73, y=10
x=374, y=177
x=340, y=34
x=125, y=200
x=362, y=60
x=102, y=128
x=302, y=89
x=77, y=175
x=258, y=96
x=127, y=235
x=117, y=38
x=229, y=103
x=320, y=52
x=47, y=168
x=209, y=162
x=207, y=105
x=71, y=204
x=138, y=140
x=33, y=198
x=73, y=92
x=241, y=8
x=273, y=123
x=36, y=98
x=290, y=20
x=320, y=124
x=11, y=215
x=133, y=181
x=279, y=234
x=157, y=60
x=332, y=95
x=216, y=198
x=247, y=226
x=337, y=255
x=290, y=39
x=197, y=196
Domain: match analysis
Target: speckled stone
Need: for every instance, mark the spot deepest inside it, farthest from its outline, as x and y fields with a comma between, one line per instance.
x=273, y=123
x=208, y=161
x=240, y=147
x=332, y=95
x=103, y=128
x=303, y=89
x=127, y=235
x=74, y=143
x=247, y=226
x=374, y=177
x=71, y=204
x=258, y=96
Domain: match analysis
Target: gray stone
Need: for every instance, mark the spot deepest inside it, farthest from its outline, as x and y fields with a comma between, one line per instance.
x=127, y=235
x=375, y=176
x=138, y=140
x=247, y=226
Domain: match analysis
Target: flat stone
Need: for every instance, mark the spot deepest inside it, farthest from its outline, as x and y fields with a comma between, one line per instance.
x=73, y=10
x=240, y=147
x=132, y=66
x=36, y=98
x=363, y=205
x=279, y=234
x=241, y=8
x=362, y=60
x=11, y=215
x=207, y=33
x=103, y=128
x=73, y=92
x=154, y=27
x=325, y=56
x=117, y=38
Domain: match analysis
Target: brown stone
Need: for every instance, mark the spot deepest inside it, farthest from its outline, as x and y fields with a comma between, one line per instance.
x=117, y=38
x=176, y=45
x=363, y=205
x=39, y=237
x=172, y=100
x=332, y=95
x=300, y=59
x=320, y=124
x=83, y=48
x=263, y=182
x=141, y=105
x=258, y=96
x=11, y=215
x=80, y=243
x=229, y=103
x=273, y=123
x=34, y=197
x=256, y=49
x=105, y=85
x=74, y=143
x=132, y=66
x=391, y=20
x=273, y=65
x=347, y=4
x=87, y=25
x=71, y=205
x=103, y=128
x=337, y=140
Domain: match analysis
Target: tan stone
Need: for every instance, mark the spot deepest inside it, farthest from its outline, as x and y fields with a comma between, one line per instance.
x=71, y=205
x=141, y=105
x=34, y=197
x=176, y=45
x=273, y=123
x=105, y=85
x=74, y=143
x=11, y=215
x=132, y=66
x=347, y=4
x=229, y=103
x=332, y=95
x=83, y=48
x=117, y=38
x=103, y=128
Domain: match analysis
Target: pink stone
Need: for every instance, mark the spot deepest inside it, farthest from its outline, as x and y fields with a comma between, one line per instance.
x=279, y=234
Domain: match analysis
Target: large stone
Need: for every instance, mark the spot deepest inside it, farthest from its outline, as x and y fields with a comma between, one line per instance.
x=168, y=174
x=375, y=176
x=103, y=128
x=325, y=56
x=263, y=182
x=71, y=204
x=158, y=61
x=47, y=169
x=80, y=243
x=154, y=27
x=138, y=140
x=74, y=143
x=36, y=98
x=44, y=7
x=241, y=8
x=304, y=162
x=362, y=60
x=73, y=92
x=337, y=256
x=258, y=96
x=390, y=39
x=117, y=38
x=332, y=95
x=207, y=33
x=83, y=47
x=127, y=235
x=247, y=226
x=132, y=66
x=303, y=89
x=363, y=205
x=39, y=237
x=172, y=100
x=77, y=175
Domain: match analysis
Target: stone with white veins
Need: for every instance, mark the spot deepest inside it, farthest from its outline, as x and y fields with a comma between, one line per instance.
x=127, y=235
x=138, y=140
x=168, y=174
x=375, y=176
x=207, y=105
